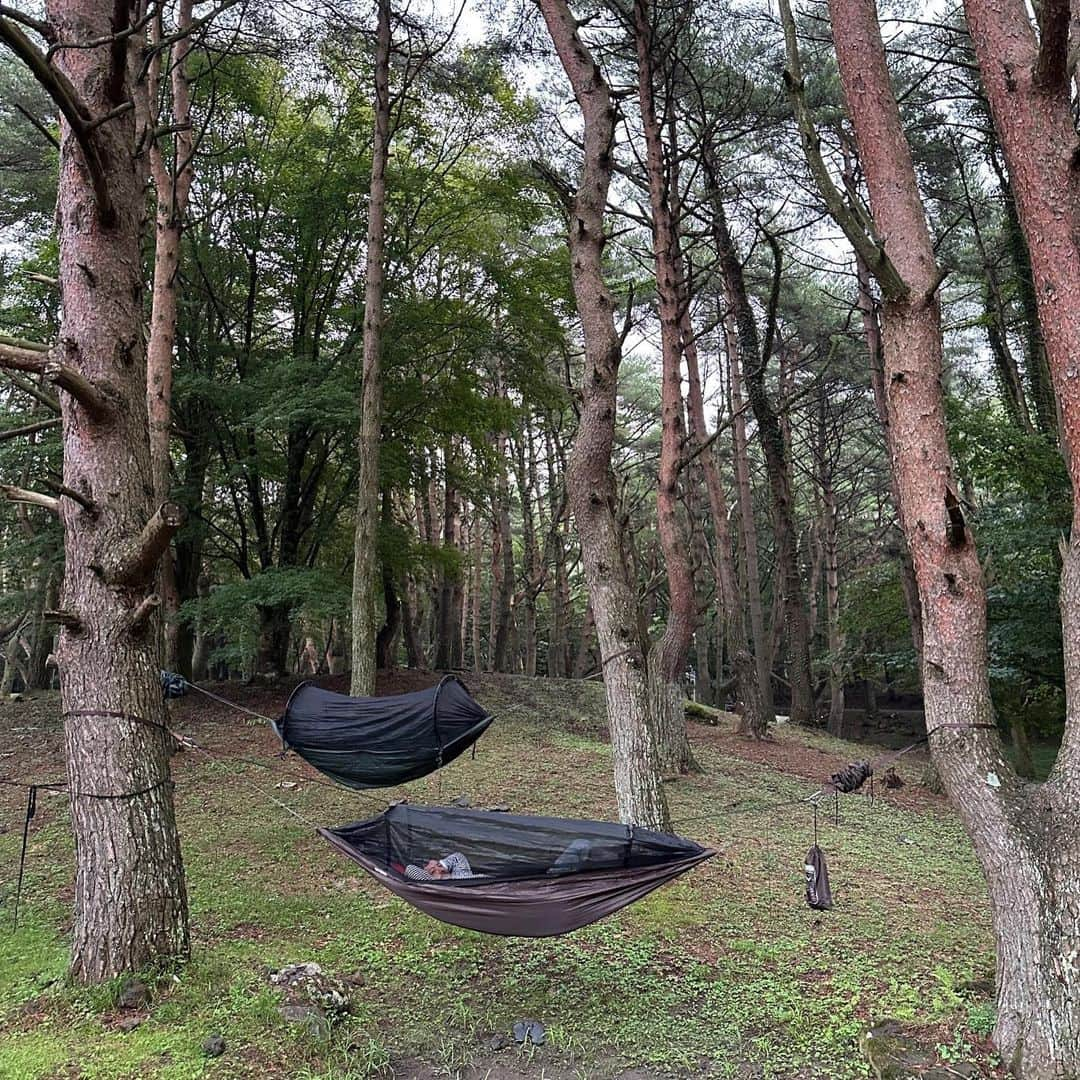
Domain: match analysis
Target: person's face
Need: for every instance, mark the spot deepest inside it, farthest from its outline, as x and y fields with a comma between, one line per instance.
x=436, y=868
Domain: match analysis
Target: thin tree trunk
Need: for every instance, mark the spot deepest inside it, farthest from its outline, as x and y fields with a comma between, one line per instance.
x=590, y=480
x=172, y=185
x=532, y=571
x=997, y=331
x=386, y=639
x=729, y=602
x=667, y=663
x=748, y=529
x=477, y=537
x=828, y=535
x=753, y=360
x=502, y=557
x=365, y=618
x=1035, y=362
x=449, y=617
x=200, y=652
x=410, y=620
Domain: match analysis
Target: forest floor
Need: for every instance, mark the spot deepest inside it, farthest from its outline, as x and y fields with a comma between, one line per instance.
x=725, y=973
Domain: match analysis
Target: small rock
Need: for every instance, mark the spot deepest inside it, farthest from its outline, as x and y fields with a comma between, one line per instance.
x=462, y=801
x=498, y=1042
x=310, y=1019
x=214, y=1046
x=502, y=808
x=526, y=1031
x=891, y=1053
x=129, y=1023
x=133, y=994
x=308, y=984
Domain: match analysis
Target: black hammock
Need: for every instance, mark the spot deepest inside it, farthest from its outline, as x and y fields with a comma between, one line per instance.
x=381, y=742
x=534, y=876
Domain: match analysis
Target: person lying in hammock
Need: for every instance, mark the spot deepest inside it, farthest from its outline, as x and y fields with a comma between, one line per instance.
x=454, y=865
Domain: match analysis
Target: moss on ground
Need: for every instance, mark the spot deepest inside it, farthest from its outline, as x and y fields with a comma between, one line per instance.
x=725, y=973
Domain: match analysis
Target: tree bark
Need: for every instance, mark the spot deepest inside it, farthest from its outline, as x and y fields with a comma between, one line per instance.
x=448, y=645
x=667, y=663
x=590, y=480
x=1027, y=84
x=130, y=897
x=729, y=603
x=1024, y=836
x=868, y=308
x=502, y=555
x=172, y=187
x=753, y=362
x=365, y=616
x=747, y=528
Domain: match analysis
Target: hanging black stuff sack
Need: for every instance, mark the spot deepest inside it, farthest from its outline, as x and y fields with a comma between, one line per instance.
x=818, y=892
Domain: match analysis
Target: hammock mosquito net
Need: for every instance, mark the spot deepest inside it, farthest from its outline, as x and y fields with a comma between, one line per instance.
x=533, y=876
x=381, y=742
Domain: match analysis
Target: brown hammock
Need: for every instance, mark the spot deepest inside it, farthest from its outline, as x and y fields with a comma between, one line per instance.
x=533, y=876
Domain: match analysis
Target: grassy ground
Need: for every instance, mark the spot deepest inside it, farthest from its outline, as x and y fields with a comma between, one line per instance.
x=727, y=972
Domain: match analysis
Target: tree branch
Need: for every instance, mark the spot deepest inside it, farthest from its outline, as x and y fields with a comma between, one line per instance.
x=84, y=501
x=39, y=125
x=42, y=279
x=59, y=88
x=33, y=498
x=29, y=429
x=67, y=619
x=141, y=615
x=134, y=564
x=28, y=356
x=859, y=233
x=27, y=387
x=37, y=25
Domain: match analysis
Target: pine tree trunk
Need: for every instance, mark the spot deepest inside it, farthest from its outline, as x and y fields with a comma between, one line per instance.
x=590, y=480
x=365, y=616
x=752, y=362
x=667, y=664
x=130, y=897
x=477, y=537
x=502, y=559
x=868, y=309
x=1025, y=837
x=449, y=626
x=748, y=529
x=730, y=604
